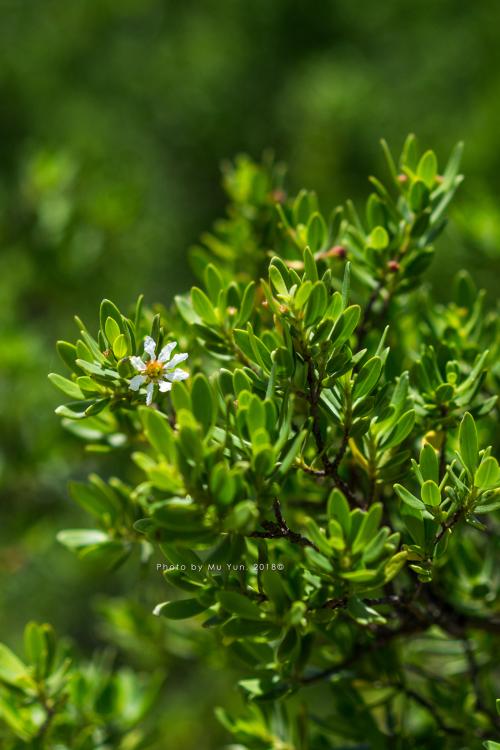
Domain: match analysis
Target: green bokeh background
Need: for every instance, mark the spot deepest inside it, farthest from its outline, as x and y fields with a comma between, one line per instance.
x=114, y=119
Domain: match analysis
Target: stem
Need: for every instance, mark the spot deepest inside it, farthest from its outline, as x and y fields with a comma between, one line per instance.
x=448, y=524
x=280, y=530
x=342, y=449
x=309, y=469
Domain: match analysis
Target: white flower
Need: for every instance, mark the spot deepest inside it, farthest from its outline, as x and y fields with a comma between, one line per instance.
x=161, y=371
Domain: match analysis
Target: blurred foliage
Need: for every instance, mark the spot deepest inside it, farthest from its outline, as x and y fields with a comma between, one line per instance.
x=115, y=118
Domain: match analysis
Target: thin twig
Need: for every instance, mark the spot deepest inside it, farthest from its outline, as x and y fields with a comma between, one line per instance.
x=280, y=530
x=310, y=469
x=448, y=524
x=342, y=449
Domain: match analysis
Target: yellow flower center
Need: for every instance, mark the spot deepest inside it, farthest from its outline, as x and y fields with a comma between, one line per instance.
x=154, y=369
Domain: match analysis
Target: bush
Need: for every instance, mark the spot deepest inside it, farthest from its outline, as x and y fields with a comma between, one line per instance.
x=317, y=481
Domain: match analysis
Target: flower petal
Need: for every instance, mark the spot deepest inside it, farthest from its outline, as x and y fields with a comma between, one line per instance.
x=177, y=375
x=164, y=386
x=149, y=394
x=167, y=350
x=136, y=382
x=176, y=360
x=150, y=346
x=137, y=363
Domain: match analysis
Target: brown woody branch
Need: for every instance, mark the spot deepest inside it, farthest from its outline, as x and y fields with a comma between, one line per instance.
x=280, y=530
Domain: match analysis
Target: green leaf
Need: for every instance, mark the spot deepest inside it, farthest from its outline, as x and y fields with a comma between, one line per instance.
x=247, y=303
x=277, y=281
x=292, y=453
x=310, y=268
x=120, y=346
x=346, y=284
x=419, y=196
x=408, y=498
x=316, y=304
x=110, y=310
x=158, y=432
x=275, y=590
x=213, y=282
x=453, y=165
x=346, y=325
x=367, y=378
x=467, y=438
x=318, y=537
x=112, y=330
x=255, y=415
x=97, y=406
x=338, y=509
x=488, y=474
x=318, y=560
x=368, y=528
x=186, y=311
x=242, y=341
x=378, y=239
x=91, y=499
x=430, y=493
x=77, y=538
x=75, y=410
x=301, y=207
x=68, y=354
x=427, y=168
x=363, y=575
x=222, y=484
x=203, y=307
x=69, y=387
x=240, y=605
x=317, y=233
x=241, y=382
x=429, y=465
x=12, y=669
x=178, y=514
x=39, y=647
x=260, y=350
x=389, y=160
x=180, y=610
x=203, y=402
x=403, y=428
x=302, y=294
